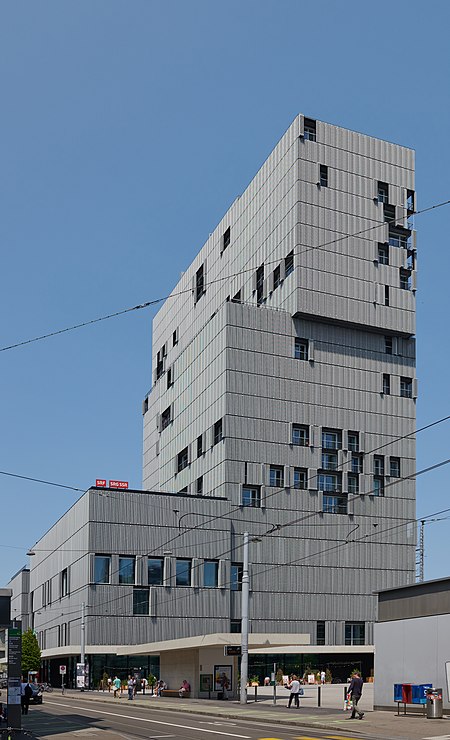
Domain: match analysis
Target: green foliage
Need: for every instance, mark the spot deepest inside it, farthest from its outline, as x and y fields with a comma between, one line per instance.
x=328, y=676
x=279, y=676
x=31, y=652
x=151, y=679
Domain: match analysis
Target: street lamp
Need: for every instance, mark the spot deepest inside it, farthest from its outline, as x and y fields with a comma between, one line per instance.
x=245, y=619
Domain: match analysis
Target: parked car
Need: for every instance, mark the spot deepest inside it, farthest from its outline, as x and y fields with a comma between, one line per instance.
x=37, y=694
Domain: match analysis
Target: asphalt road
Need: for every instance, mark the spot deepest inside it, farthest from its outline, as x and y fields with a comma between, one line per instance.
x=67, y=720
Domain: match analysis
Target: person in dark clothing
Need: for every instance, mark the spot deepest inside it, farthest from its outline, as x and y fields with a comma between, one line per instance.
x=354, y=692
x=26, y=694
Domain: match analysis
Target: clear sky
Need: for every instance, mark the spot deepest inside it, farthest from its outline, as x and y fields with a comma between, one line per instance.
x=127, y=130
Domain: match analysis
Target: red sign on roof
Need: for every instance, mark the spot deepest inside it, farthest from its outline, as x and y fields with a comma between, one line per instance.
x=118, y=484
x=100, y=483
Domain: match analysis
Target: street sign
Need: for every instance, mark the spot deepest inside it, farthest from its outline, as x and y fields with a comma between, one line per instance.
x=232, y=650
x=62, y=670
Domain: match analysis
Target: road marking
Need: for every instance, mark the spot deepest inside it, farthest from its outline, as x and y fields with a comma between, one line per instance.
x=151, y=721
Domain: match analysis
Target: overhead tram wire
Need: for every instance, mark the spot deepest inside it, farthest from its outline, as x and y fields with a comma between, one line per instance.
x=272, y=533
x=154, y=302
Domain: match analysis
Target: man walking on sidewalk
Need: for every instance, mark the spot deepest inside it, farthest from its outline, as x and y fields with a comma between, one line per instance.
x=294, y=687
x=354, y=692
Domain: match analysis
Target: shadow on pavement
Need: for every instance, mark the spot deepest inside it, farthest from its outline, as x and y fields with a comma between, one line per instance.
x=43, y=724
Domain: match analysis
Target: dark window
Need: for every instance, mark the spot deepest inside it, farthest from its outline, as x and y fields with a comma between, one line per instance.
x=169, y=377
x=331, y=439
x=410, y=200
x=159, y=365
x=184, y=490
x=383, y=254
x=289, y=264
x=183, y=572
x=378, y=486
x=236, y=576
x=237, y=298
x=386, y=295
x=300, y=435
x=155, y=569
x=102, y=568
x=210, y=574
x=320, y=633
x=334, y=504
x=260, y=284
x=64, y=584
x=383, y=192
x=406, y=387
x=398, y=238
x=329, y=460
x=218, y=429
x=182, y=460
x=276, y=277
x=353, y=483
x=355, y=633
x=175, y=338
x=226, y=240
x=301, y=349
x=405, y=279
x=357, y=463
x=301, y=478
x=166, y=418
x=394, y=467
x=389, y=213
x=276, y=476
x=386, y=384
x=140, y=601
x=199, y=283
x=200, y=445
x=330, y=482
x=388, y=345
x=309, y=129
x=127, y=567
x=235, y=626
x=353, y=441
x=378, y=465
x=199, y=485
x=323, y=179
x=251, y=496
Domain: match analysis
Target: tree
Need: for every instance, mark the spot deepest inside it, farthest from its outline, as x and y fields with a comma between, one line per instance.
x=31, y=652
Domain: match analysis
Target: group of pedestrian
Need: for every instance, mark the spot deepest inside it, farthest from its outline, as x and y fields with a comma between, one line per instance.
x=354, y=692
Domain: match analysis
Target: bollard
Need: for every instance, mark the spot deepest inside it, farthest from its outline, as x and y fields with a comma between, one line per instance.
x=256, y=693
x=318, y=695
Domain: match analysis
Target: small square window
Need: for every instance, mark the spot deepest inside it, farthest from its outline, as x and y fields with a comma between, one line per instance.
x=355, y=633
x=323, y=178
x=276, y=277
x=183, y=572
x=235, y=626
x=378, y=486
x=378, y=464
x=383, y=254
x=236, y=574
x=218, y=431
x=166, y=418
x=260, y=284
x=155, y=568
x=140, y=601
x=182, y=460
x=389, y=213
x=199, y=283
x=169, y=377
x=210, y=574
x=353, y=441
x=388, y=345
x=102, y=568
x=309, y=130
x=406, y=387
x=394, y=467
x=353, y=483
x=226, y=240
x=301, y=478
x=386, y=384
x=127, y=570
x=200, y=445
x=383, y=192
x=405, y=279
x=289, y=264
x=331, y=439
x=175, y=338
x=251, y=496
x=301, y=349
x=357, y=463
x=386, y=295
x=320, y=633
x=276, y=476
x=300, y=435
x=329, y=461
x=199, y=486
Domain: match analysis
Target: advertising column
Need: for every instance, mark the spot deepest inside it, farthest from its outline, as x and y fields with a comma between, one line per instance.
x=14, y=676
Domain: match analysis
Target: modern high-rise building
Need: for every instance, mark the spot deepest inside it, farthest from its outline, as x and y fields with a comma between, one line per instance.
x=283, y=405
x=284, y=380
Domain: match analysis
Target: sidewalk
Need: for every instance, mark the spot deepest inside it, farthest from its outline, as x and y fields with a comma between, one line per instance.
x=380, y=724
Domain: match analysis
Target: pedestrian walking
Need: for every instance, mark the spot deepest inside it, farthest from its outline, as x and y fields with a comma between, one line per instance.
x=322, y=677
x=26, y=692
x=294, y=687
x=130, y=688
x=109, y=684
x=354, y=692
x=117, y=686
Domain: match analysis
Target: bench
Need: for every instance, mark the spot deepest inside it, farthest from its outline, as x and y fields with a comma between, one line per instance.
x=175, y=693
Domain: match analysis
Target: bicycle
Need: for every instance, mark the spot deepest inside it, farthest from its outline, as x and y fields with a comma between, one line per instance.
x=45, y=687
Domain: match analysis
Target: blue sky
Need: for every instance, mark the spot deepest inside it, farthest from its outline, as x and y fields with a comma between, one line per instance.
x=127, y=129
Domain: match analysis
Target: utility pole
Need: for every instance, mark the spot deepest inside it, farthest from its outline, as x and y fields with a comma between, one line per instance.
x=244, y=624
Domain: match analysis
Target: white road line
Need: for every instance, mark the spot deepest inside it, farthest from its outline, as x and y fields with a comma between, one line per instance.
x=152, y=721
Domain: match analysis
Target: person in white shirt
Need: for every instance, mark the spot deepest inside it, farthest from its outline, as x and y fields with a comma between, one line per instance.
x=294, y=687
